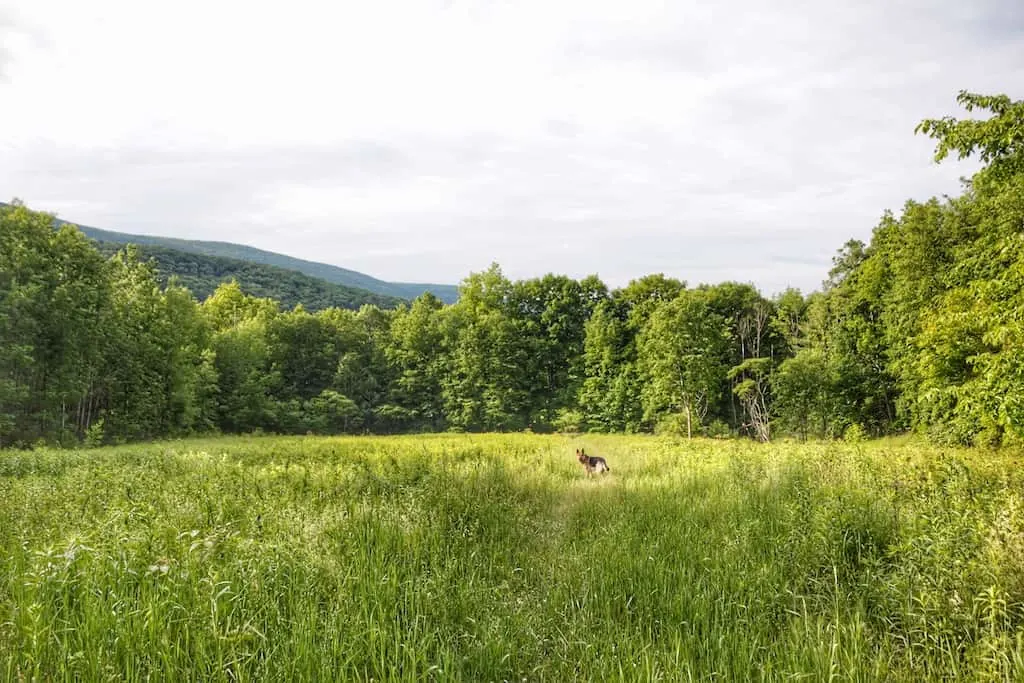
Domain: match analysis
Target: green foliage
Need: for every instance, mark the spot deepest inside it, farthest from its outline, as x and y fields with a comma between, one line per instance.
x=550, y=314
x=54, y=294
x=229, y=306
x=241, y=363
x=750, y=386
x=415, y=353
x=203, y=274
x=917, y=329
x=222, y=253
x=144, y=340
x=485, y=388
x=854, y=434
x=679, y=358
x=335, y=412
x=998, y=141
x=845, y=324
x=803, y=387
x=94, y=434
x=569, y=420
x=609, y=393
x=921, y=327
x=788, y=322
x=303, y=353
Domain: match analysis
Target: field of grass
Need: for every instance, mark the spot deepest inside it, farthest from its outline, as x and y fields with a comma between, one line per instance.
x=489, y=558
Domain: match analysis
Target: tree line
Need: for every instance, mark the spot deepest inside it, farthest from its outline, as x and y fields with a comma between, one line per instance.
x=920, y=329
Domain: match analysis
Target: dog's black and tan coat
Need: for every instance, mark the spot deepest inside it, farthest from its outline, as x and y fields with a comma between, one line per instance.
x=592, y=463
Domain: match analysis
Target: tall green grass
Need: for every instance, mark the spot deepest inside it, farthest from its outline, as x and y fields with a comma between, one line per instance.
x=495, y=558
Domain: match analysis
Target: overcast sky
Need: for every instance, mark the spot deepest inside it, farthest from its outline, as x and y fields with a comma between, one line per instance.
x=422, y=140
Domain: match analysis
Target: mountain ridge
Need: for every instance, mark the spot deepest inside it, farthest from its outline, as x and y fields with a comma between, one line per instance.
x=242, y=252
x=202, y=274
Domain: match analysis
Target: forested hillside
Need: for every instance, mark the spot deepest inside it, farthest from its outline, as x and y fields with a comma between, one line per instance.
x=920, y=329
x=241, y=252
x=201, y=275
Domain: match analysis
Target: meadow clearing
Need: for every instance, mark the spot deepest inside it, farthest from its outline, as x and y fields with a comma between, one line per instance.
x=494, y=557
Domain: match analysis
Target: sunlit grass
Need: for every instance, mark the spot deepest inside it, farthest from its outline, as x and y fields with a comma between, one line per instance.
x=494, y=557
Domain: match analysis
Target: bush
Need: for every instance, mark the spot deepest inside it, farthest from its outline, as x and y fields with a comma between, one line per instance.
x=94, y=434
x=854, y=434
x=569, y=420
x=718, y=430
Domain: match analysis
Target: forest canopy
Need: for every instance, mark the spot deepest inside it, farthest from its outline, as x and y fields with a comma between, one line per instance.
x=919, y=329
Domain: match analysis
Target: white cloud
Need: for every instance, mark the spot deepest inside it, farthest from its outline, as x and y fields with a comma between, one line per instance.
x=419, y=140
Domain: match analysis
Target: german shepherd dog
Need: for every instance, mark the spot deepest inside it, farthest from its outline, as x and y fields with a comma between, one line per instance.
x=592, y=463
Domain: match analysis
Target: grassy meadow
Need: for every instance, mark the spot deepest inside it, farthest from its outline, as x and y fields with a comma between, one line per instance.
x=494, y=557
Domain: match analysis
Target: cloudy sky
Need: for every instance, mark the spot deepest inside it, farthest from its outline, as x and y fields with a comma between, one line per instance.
x=421, y=140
